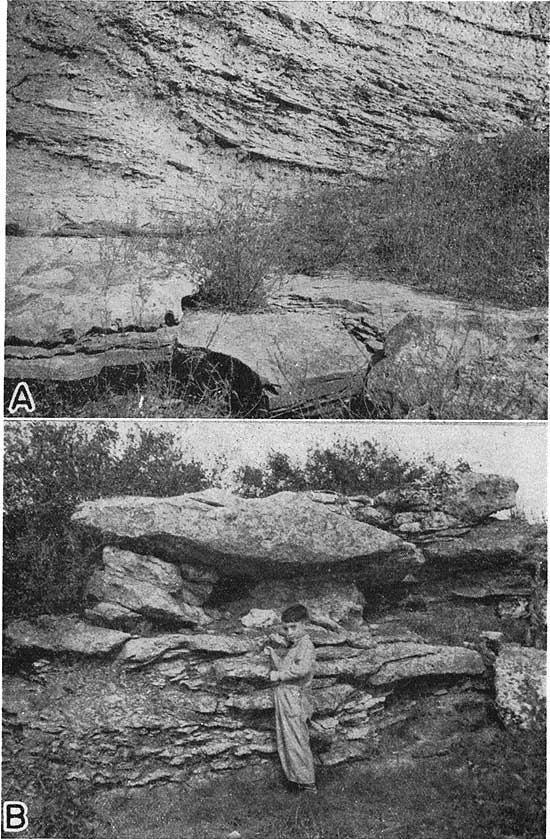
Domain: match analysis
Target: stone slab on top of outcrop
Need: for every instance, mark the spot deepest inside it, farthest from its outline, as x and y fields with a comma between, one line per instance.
x=62, y=634
x=148, y=587
x=279, y=536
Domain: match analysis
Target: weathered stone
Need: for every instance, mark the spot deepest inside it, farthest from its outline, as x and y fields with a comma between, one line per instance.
x=520, y=685
x=62, y=634
x=145, y=649
x=148, y=586
x=277, y=536
x=466, y=498
x=454, y=370
x=491, y=544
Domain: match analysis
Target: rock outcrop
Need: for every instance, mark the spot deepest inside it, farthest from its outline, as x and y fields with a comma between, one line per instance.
x=116, y=111
x=185, y=690
x=183, y=703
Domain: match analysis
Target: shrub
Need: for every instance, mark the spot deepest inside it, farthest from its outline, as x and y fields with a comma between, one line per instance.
x=472, y=220
x=233, y=251
x=48, y=470
x=346, y=468
x=318, y=225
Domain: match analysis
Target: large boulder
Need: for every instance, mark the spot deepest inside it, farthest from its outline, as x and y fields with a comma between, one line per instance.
x=446, y=369
x=60, y=635
x=520, y=685
x=145, y=586
x=284, y=535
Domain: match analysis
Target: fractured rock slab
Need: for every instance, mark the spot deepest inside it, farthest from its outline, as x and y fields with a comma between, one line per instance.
x=283, y=361
x=62, y=634
x=147, y=586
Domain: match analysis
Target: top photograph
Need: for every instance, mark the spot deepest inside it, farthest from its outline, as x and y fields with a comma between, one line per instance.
x=276, y=209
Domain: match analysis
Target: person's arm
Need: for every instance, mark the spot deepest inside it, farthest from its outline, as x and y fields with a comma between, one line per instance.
x=276, y=659
x=300, y=666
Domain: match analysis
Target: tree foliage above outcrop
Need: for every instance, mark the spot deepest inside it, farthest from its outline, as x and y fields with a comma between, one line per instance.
x=347, y=468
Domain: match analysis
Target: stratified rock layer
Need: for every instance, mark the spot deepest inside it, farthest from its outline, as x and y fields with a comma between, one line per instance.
x=194, y=702
x=117, y=110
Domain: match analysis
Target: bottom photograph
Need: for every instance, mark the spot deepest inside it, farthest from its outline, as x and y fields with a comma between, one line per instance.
x=293, y=629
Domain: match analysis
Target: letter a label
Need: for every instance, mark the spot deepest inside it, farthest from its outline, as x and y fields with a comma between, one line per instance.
x=14, y=816
x=21, y=398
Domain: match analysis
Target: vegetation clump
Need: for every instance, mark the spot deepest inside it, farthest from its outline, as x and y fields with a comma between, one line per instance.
x=469, y=221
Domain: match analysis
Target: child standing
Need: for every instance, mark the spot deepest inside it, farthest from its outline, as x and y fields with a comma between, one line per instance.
x=293, y=676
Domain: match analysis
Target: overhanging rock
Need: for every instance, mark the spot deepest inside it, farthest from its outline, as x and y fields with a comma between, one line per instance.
x=271, y=361
x=281, y=536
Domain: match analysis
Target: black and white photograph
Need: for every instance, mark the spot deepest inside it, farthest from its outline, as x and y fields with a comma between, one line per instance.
x=275, y=419
x=295, y=630
x=276, y=209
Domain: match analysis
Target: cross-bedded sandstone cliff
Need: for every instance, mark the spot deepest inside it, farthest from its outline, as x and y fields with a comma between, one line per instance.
x=118, y=108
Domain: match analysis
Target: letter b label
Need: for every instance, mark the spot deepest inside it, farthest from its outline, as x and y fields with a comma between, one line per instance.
x=14, y=816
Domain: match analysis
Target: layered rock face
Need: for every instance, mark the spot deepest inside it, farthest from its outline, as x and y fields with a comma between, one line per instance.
x=118, y=108
x=188, y=594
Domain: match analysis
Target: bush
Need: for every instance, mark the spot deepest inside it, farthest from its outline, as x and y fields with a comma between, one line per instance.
x=48, y=470
x=318, y=225
x=471, y=221
x=345, y=468
x=233, y=251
